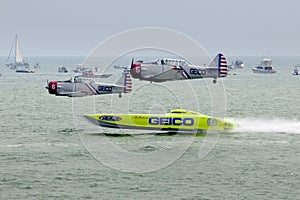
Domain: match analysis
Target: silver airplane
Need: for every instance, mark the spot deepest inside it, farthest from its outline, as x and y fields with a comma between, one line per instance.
x=81, y=86
x=175, y=69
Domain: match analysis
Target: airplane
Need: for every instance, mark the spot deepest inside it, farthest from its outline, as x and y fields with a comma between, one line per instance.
x=82, y=86
x=178, y=120
x=176, y=69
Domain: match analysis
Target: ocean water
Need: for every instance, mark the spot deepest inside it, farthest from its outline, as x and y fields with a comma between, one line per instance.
x=46, y=153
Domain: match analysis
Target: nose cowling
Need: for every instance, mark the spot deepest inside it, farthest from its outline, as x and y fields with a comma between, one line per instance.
x=52, y=87
x=135, y=70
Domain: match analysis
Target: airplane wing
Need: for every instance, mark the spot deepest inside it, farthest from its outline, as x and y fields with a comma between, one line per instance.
x=95, y=75
x=73, y=94
x=176, y=73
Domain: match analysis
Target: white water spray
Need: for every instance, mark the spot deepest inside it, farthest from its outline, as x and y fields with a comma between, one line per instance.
x=267, y=125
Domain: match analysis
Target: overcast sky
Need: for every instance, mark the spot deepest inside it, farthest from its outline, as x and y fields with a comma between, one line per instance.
x=69, y=27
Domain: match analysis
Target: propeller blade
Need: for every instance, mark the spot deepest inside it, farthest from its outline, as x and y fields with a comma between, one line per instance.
x=132, y=60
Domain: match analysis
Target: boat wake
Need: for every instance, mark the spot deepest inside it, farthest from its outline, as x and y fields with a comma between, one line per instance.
x=267, y=125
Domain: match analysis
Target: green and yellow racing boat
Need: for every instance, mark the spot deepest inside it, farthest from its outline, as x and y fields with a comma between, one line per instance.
x=175, y=121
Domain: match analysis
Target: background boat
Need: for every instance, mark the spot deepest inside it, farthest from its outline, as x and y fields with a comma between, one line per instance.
x=265, y=67
x=19, y=64
x=296, y=72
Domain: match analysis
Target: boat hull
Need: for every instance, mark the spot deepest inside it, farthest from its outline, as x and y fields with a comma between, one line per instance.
x=167, y=122
x=24, y=71
x=258, y=71
x=17, y=65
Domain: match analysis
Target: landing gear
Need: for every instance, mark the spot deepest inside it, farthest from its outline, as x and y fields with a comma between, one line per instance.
x=214, y=81
x=120, y=95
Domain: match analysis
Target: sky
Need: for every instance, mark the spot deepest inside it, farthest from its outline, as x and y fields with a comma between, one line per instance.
x=74, y=28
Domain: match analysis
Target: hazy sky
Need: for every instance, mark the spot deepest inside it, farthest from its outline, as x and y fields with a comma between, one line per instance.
x=69, y=27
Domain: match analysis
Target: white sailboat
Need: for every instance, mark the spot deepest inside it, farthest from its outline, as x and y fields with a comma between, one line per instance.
x=19, y=63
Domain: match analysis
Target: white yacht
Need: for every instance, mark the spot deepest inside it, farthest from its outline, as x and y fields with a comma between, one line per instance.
x=296, y=72
x=265, y=67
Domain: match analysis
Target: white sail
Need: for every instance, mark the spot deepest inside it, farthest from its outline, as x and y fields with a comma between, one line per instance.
x=19, y=64
x=18, y=55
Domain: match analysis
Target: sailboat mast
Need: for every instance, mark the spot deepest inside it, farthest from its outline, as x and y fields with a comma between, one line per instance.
x=12, y=46
x=16, y=48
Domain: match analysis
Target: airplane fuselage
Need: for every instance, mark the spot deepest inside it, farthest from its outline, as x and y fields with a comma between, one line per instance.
x=84, y=89
x=185, y=72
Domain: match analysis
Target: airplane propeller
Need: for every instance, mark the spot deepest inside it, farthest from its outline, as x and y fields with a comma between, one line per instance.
x=132, y=61
x=47, y=86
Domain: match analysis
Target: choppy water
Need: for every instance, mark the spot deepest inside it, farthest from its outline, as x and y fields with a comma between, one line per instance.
x=42, y=156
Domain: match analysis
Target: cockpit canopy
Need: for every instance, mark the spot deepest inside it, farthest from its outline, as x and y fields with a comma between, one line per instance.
x=183, y=111
x=171, y=61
